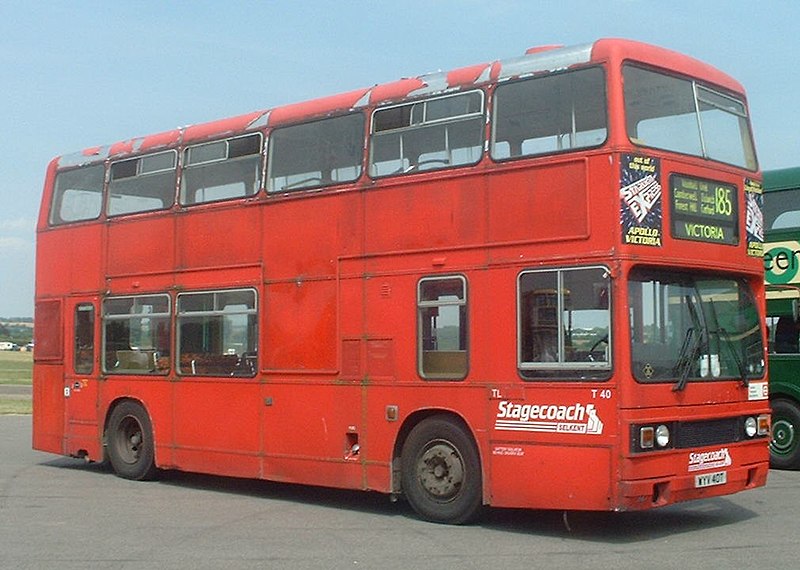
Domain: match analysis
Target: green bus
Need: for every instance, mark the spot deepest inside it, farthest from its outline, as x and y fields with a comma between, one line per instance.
x=782, y=266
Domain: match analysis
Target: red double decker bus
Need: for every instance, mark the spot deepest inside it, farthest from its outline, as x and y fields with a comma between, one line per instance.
x=534, y=282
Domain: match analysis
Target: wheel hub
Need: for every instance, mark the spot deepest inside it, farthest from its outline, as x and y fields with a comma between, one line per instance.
x=441, y=471
x=783, y=436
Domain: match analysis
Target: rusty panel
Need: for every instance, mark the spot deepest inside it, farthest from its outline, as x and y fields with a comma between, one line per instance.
x=145, y=144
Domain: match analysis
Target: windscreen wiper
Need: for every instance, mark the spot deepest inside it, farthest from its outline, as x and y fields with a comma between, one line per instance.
x=690, y=348
x=686, y=358
x=725, y=336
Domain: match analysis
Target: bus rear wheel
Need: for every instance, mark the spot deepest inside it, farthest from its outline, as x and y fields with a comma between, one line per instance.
x=129, y=441
x=784, y=448
x=441, y=472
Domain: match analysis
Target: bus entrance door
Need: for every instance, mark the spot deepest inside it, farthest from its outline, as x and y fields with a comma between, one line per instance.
x=80, y=379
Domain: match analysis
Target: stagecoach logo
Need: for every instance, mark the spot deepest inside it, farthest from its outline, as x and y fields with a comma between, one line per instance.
x=709, y=460
x=577, y=418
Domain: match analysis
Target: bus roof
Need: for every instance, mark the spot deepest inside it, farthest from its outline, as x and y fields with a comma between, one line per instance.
x=543, y=59
x=782, y=179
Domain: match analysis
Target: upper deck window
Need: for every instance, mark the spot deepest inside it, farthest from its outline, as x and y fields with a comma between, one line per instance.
x=142, y=184
x=316, y=154
x=782, y=210
x=221, y=170
x=550, y=114
x=78, y=195
x=680, y=115
x=427, y=135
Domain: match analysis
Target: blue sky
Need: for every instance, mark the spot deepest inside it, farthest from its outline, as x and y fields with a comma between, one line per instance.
x=81, y=74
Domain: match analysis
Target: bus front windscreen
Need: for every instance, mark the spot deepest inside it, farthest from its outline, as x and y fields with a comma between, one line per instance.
x=693, y=327
x=680, y=115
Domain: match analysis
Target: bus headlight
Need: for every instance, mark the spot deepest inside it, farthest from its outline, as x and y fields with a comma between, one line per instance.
x=662, y=436
x=750, y=426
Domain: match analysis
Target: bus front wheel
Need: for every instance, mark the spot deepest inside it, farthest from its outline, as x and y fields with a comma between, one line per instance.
x=129, y=441
x=784, y=448
x=441, y=472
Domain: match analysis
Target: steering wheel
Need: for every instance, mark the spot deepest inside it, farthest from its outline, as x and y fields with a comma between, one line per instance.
x=598, y=342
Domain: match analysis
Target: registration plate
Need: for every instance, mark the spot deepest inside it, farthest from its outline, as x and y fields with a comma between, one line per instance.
x=710, y=479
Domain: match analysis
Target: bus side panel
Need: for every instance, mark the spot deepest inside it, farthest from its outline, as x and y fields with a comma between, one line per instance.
x=304, y=237
x=551, y=477
x=140, y=245
x=60, y=268
x=443, y=213
x=48, y=408
x=300, y=325
x=548, y=203
x=211, y=239
x=216, y=426
x=310, y=430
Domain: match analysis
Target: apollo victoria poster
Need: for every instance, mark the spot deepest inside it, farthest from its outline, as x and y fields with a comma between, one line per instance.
x=640, y=200
x=754, y=222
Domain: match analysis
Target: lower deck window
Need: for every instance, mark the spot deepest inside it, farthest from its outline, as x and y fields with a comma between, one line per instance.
x=136, y=334
x=83, y=358
x=217, y=333
x=564, y=324
x=442, y=337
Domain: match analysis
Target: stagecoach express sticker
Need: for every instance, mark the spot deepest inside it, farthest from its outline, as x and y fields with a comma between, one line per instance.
x=754, y=224
x=640, y=200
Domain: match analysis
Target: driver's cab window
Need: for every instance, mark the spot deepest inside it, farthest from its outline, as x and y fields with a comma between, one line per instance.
x=564, y=323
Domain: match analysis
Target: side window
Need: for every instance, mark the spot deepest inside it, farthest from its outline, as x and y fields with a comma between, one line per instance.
x=442, y=334
x=312, y=155
x=84, y=339
x=427, y=135
x=136, y=334
x=550, y=114
x=217, y=333
x=221, y=170
x=142, y=184
x=78, y=195
x=564, y=324
x=784, y=334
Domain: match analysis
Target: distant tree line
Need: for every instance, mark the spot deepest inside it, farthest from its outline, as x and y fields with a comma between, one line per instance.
x=16, y=330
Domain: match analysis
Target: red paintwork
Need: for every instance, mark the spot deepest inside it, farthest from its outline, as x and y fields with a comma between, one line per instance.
x=336, y=273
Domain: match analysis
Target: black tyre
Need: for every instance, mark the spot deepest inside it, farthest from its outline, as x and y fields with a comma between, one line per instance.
x=441, y=472
x=129, y=442
x=784, y=448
